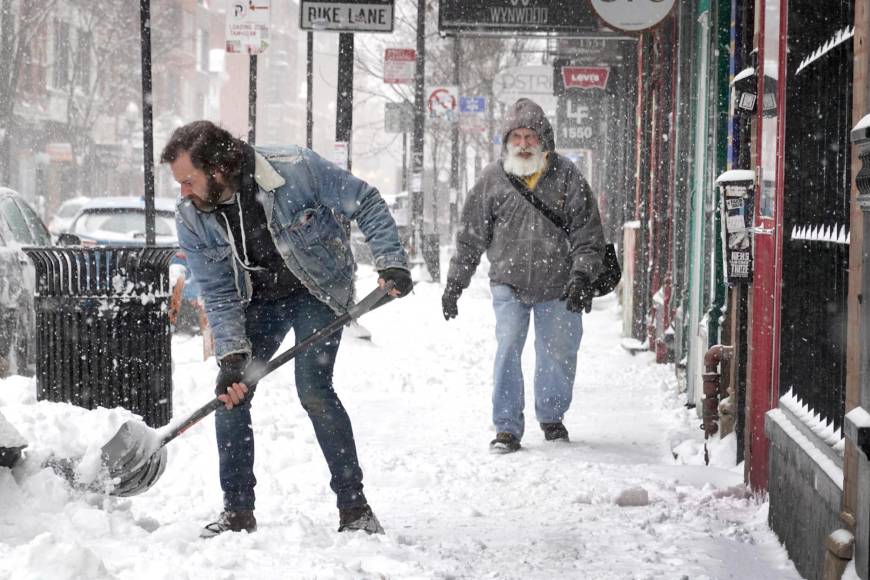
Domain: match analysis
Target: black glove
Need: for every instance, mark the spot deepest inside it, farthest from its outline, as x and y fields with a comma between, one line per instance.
x=578, y=293
x=449, y=299
x=400, y=277
x=232, y=371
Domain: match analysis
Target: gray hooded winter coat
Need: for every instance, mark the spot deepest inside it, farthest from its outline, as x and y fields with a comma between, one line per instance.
x=525, y=249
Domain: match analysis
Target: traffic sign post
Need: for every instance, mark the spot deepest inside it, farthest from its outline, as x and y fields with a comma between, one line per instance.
x=247, y=26
x=399, y=65
x=472, y=105
x=398, y=117
x=472, y=114
x=346, y=15
x=442, y=102
x=247, y=31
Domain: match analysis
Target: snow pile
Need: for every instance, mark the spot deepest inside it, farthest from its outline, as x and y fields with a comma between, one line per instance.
x=616, y=502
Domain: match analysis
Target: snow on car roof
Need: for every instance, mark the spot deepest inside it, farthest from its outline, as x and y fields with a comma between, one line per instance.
x=166, y=204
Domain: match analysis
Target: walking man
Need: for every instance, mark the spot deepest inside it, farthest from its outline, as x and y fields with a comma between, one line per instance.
x=263, y=235
x=534, y=215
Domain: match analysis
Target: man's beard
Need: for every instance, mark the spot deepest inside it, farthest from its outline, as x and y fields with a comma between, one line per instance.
x=213, y=195
x=520, y=166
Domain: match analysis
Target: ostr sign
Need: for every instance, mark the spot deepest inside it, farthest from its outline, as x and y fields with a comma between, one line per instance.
x=523, y=81
x=585, y=77
x=442, y=102
x=347, y=16
x=632, y=15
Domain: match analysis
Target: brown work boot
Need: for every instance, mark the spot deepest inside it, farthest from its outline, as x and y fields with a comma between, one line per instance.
x=242, y=521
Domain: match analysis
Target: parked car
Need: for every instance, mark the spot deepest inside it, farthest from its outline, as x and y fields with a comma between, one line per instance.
x=65, y=213
x=121, y=221
x=19, y=226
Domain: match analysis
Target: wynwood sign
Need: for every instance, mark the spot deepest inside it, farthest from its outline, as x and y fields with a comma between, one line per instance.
x=516, y=15
x=457, y=16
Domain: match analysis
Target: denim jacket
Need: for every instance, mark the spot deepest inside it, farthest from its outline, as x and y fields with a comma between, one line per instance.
x=302, y=195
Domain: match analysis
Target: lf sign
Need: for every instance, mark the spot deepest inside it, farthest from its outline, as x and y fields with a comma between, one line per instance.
x=578, y=119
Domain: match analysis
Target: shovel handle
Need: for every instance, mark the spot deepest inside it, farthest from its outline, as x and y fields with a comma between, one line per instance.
x=378, y=297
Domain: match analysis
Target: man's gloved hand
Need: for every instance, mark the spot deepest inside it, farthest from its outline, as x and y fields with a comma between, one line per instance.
x=449, y=300
x=578, y=293
x=400, y=277
x=232, y=371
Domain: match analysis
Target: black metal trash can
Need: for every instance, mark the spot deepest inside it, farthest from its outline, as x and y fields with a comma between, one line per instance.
x=102, y=328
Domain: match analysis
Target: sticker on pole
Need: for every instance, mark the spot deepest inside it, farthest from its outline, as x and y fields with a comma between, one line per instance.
x=442, y=102
x=248, y=26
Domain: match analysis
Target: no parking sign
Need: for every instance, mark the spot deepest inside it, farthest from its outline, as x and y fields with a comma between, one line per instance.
x=442, y=102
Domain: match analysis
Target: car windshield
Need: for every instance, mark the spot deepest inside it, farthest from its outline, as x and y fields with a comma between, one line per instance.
x=69, y=209
x=40, y=233
x=15, y=221
x=129, y=223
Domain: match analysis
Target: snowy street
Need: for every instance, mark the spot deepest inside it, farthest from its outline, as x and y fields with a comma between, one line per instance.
x=614, y=503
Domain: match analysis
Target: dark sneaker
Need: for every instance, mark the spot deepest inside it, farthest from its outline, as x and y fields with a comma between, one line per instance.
x=554, y=431
x=504, y=442
x=230, y=522
x=359, y=518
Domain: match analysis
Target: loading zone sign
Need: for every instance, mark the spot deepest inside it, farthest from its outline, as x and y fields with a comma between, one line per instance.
x=346, y=16
x=247, y=27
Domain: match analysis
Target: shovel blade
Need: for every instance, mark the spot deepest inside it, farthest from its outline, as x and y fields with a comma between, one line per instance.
x=134, y=459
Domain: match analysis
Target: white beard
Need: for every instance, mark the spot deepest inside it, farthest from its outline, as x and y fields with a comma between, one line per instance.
x=517, y=165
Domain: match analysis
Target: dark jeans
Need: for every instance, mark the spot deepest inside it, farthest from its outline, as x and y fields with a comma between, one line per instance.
x=268, y=322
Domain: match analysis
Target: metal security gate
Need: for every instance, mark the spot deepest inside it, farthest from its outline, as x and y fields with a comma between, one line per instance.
x=816, y=206
x=102, y=324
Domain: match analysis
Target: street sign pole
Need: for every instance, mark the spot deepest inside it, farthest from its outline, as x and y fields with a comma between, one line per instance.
x=404, y=161
x=454, y=157
x=147, y=120
x=309, y=104
x=344, y=98
x=417, y=144
x=252, y=99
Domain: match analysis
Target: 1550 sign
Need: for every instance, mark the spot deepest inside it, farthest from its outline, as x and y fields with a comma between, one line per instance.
x=578, y=119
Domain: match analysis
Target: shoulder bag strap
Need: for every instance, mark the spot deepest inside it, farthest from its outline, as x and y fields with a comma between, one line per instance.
x=527, y=193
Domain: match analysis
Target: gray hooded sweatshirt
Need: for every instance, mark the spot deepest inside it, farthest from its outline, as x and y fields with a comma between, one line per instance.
x=525, y=249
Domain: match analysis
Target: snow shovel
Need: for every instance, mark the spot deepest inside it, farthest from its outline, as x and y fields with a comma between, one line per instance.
x=135, y=457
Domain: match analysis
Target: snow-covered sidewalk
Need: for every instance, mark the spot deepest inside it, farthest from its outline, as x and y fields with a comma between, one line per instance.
x=613, y=503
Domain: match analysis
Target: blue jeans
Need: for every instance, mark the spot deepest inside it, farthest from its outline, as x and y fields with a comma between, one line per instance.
x=267, y=323
x=557, y=339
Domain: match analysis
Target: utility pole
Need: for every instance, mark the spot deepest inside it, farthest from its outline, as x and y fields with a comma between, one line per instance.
x=417, y=144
